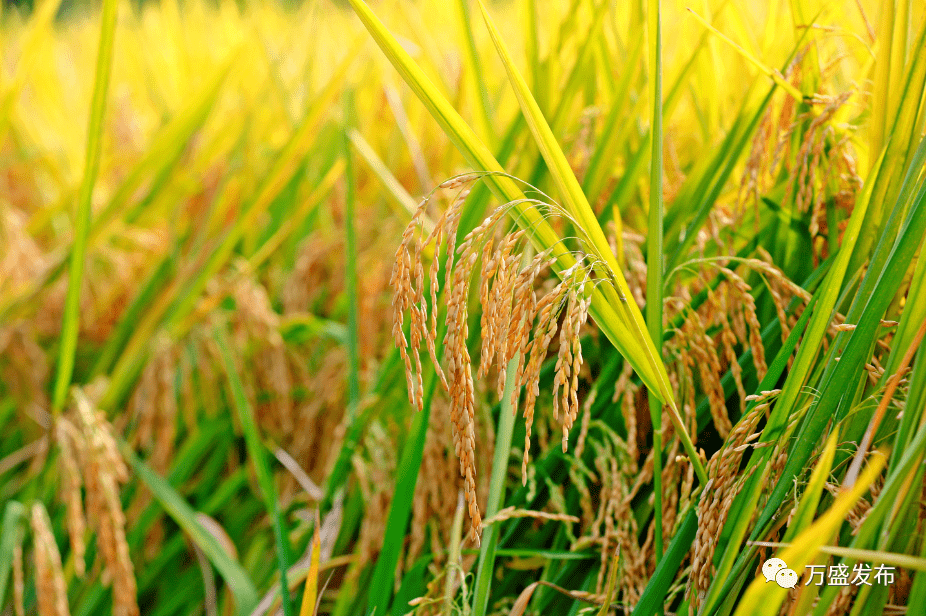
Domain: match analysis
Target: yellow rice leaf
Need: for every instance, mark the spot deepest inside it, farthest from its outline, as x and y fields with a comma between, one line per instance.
x=311, y=581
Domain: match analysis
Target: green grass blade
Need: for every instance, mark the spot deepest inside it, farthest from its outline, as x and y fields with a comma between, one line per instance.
x=566, y=182
x=531, y=42
x=813, y=339
x=158, y=279
x=846, y=371
x=612, y=580
x=901, y=140
x=877, y=262
x=14, y=517
x=71, y=319
x=909, y=465
x=380, y=590
x=807, y=507
x=475, y=68
x=652, y=599
x=602, y=159
x=257, y=454
x=158, y=162
x=454, y=554
x=188, y=292
x=355, y=430
x=40, y=27
x=281, y=172
x=852, y=359
x=914, y=313
x=880, y=109
x=578, y=74
x=767, y=71
x=654, y=260
x=241, y=587
x=750, y=493
x=167, y=147
x=406, y=205
x=705, y=192
x=350, y=275
x=889, y=558
x=487, y=551
x=310, y=593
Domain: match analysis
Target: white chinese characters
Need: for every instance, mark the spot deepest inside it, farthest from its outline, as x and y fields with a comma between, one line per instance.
x=861, y=574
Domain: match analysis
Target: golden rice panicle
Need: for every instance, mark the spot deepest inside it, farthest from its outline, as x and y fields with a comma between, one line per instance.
x=786, y=124
x=572, y=412
x=103, y=472
x=752, y=320
x=779, y=285
x=564, y=357
x=69, y=463
x=493, y=290
x=671, y=488
x=702, y=347
x=51, y=590
x=625, y=390
x=751, y=185
x=728, y=340
x=375, y=488
x=462, y=395
x=19, y=582
x=504, y=312
x=438, y=487
x=525, y=311
x=432, y=330
x=460, y=180
x=402, y=285
x=409, y=296
x=155, y=405
x=547, y=310
x=416, y=307
x=843, y=601
x=490, y=265
x=722, y=487
x=780, y=310
x=805, y=177
x=767, y=267
x=419, y=319
x=450, y=222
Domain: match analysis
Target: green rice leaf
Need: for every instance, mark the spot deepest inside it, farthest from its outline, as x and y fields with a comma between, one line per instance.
x=257, y=454
x=14, y=518
x=71, y=319
x=185, y=516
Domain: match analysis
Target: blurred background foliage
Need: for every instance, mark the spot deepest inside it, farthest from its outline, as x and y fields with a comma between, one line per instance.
x=199, y=391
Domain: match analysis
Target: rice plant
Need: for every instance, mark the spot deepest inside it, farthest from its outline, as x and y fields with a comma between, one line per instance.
x=467, y=307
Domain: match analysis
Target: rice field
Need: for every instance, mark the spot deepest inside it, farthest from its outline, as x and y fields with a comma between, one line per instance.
x=462, y=308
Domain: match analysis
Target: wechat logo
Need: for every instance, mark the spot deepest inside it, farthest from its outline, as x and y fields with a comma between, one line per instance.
x=776, y=570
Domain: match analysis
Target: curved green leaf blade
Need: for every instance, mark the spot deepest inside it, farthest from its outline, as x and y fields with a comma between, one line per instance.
x=184, y=515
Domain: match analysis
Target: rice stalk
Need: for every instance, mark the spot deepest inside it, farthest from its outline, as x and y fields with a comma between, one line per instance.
x=71, y=324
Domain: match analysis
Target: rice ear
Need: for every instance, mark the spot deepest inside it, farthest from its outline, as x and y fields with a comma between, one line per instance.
x=51, y=589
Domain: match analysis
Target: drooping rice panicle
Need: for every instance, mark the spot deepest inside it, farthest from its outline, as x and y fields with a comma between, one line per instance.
x=51, y=588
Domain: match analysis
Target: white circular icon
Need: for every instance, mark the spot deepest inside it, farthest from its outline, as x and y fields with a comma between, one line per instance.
x=771, y=567
x=786, y=578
